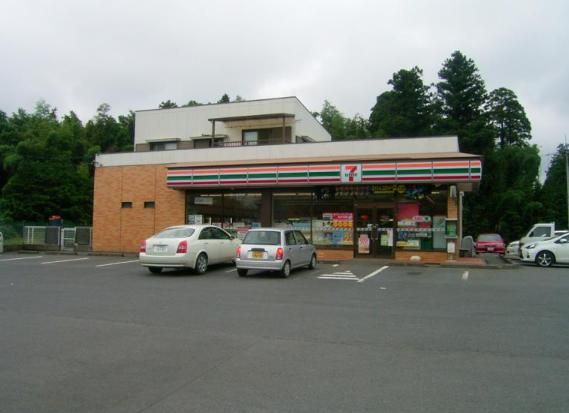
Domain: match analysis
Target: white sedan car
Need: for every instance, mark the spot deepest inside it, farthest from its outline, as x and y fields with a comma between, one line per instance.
x=548, y=252
x=188, y=246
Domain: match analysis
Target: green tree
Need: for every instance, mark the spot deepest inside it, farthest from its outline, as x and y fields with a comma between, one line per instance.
x=167, y=105
x=508, y=118
x=357, y=128
x=224, y=99
x=404, y=111
x=333, y=121
x=108, y=135
x=461, y=95
x=553, y=195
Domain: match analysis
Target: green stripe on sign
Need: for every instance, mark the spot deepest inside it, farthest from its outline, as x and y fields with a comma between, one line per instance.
x=475, y=170
x=380, y=173
x=414, y=172
x=451, y=171
x=179, y=178
x=233, y=176
x=293, y=174
x=268, y=175
x=331, y=174
x=206, y=177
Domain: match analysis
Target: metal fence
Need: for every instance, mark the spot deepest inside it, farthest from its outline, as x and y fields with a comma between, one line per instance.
x=50, y=238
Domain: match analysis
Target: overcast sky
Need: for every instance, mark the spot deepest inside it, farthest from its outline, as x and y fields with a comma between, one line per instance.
x=135, y=54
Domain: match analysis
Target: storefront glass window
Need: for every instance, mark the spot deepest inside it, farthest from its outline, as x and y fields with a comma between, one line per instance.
x=421, y=218
x=242, y=211
x=204, y=208
x=293, y=210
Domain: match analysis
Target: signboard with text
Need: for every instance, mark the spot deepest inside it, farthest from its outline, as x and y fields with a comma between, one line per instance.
x=351, y=173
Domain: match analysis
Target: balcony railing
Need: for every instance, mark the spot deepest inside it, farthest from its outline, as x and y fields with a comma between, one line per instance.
x=262, y=142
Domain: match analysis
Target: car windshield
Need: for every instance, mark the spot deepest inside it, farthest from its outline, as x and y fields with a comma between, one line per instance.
x=175, y=233
x=489, y=238
x=263, y=238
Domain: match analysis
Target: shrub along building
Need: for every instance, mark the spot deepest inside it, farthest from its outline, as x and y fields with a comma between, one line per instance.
x=270, y=163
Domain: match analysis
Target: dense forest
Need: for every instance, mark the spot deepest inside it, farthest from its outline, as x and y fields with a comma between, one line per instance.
x=46, y=160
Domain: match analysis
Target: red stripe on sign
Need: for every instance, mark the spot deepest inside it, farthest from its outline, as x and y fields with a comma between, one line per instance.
x=285, y=180
x=179, y=183
x=414, y=178
x=324, y=180
x=231, y=182
x=262, y=181
x=384, y=179
x=447, y=177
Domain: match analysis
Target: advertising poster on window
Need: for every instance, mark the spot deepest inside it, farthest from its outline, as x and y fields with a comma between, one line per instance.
x=363, y=244
x=195, y=219
x=335, y=229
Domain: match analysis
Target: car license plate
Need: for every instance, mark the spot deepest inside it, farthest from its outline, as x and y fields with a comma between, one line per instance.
x=159, y=249
x=257, y=254
x=490, y=248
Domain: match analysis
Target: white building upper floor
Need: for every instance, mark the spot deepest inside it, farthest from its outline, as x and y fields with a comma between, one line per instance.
x=245, y=123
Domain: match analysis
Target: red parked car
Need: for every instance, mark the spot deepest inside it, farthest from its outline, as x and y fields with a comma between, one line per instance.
x=490, y=243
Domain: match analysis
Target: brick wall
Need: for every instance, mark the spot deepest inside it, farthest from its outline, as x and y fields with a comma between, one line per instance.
x=120, y=229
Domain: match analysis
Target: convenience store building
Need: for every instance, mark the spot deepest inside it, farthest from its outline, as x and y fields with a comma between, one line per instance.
x=270, y=163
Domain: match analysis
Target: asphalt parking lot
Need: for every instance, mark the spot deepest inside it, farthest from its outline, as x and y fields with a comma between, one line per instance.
x=102, y=334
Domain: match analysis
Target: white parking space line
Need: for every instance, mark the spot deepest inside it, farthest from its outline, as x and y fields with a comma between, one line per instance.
x=374, y=273
x=465, y=276
x=339, y=275
x=21, y=258
x=231, y=270
x=74, y=259
x=116, y=263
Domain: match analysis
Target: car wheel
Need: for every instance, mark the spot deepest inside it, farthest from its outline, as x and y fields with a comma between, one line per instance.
x=201, y=263
x=155, y=270
x=545, y=259
x=242, y=272
x=313, y=262
x=285, y=272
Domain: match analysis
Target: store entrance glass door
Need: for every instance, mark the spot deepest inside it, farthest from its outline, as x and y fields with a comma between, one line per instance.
x=374, y=232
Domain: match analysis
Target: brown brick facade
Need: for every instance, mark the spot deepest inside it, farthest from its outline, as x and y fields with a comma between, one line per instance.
x=121, y=229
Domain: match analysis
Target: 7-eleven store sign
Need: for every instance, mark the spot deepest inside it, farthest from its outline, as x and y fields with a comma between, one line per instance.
x=351, y=173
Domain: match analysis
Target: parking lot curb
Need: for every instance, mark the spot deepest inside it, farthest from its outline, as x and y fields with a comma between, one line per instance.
x=456, y=264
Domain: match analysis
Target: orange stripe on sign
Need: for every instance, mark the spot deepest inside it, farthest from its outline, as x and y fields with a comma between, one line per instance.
x=325, y=168
x=414, y=165
x=233, y=171
x=378, y=166
x=293, y=168
x=274, y=170
x=205, y=171
x=440, y=164
x=180, y=172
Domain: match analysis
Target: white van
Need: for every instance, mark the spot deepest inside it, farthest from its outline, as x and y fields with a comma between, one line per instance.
x=540, y=232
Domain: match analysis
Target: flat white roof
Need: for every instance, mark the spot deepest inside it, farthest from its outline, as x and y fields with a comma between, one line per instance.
x=365, y=149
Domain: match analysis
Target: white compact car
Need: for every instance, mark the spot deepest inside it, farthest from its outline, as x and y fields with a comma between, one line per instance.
x=188, y=246
x=513, y=250
x=548, y=252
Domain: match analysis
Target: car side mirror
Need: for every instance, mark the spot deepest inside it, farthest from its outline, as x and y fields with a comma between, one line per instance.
x=563, y=241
